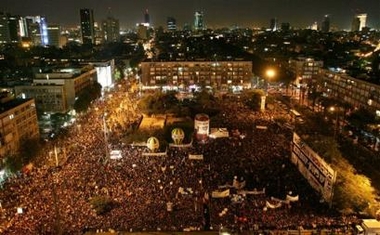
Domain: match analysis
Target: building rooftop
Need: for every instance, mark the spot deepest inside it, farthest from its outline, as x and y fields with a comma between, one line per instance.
x=8, y=104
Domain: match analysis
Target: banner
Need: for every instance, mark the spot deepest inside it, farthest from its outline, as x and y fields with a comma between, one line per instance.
x=253, y=192
x=225, y=186
x=316, y=171
x=292, y=198
x=220, y=194
x=162, y=154
x=196, y=156
x=238, y=185
x=273, y=206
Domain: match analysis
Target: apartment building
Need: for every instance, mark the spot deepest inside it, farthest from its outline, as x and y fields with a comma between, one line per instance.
x=18, y=121
x=183, y=75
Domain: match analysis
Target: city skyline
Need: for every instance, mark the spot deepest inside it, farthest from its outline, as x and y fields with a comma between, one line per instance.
x=217, y=13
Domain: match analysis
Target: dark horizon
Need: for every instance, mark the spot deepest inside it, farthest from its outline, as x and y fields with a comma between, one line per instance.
x=217, y=13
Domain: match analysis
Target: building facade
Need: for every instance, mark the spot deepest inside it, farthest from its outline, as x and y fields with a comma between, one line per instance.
x=111, y=30
x=146, y=17
x=54, y=35
x=56, y=92
x=355, y=92
x=199, y=21
x=184, y=75
x=305, y=69
x=171, y=24
x=325, y=26
x=18, y=121
x=359, y=22
x=87, y=26
x=9, y=28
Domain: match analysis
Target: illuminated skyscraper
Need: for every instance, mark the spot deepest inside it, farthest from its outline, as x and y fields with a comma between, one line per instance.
x=359, y=22
x=35, y=28
x=111, y=29
x=146, y=17
x=198, y=21
x=171, y=24
x=325, y=27
x=8, y=28
x=273, y=24
x=54, y=34
x=87, y=26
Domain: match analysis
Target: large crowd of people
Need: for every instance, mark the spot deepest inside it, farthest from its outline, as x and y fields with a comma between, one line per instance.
x=171, y=192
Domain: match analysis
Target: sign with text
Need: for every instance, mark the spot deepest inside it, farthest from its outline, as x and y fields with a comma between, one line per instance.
x=317, y=172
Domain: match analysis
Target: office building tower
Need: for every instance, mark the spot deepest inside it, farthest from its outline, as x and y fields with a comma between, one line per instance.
x=87, y=26
x=142, y=31
x=13, y=28
x=171, y=24
x=146, y=17
x=325, y=27
x=54, y=35
x=111, y=29
x=8, y=28
x=285, y=26
x=359, y=22
x=273, y=24
x=198, y=21
x=314, y=26
x=35, y=29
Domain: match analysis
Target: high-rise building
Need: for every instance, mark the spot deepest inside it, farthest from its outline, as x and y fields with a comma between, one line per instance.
x=146, y=17
x=8, y=28
x=285, y=26
x=35, y=29
x=171, y=24
x=54, y=34
x=198, y=21
x=359, y=22
x=87, y=26
x=111, y=29
x=325, y=27
x=314, y=26
x=142, y=31
x=273, y=24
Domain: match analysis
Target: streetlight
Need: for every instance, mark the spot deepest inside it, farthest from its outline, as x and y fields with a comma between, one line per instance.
x=269, y=74
x=335, y=110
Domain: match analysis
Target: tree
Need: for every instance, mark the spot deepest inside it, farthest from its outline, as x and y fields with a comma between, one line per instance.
x=86, y=96
x=102, y=204
x=353, y=192
x=29, y=150
x=252, y=98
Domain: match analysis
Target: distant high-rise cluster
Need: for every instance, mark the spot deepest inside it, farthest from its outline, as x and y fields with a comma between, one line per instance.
x=31, y=29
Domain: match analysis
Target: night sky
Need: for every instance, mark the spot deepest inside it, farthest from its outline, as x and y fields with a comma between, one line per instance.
x=218, y=13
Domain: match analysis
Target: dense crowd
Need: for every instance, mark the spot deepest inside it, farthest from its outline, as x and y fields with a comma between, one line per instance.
x=140, y=186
